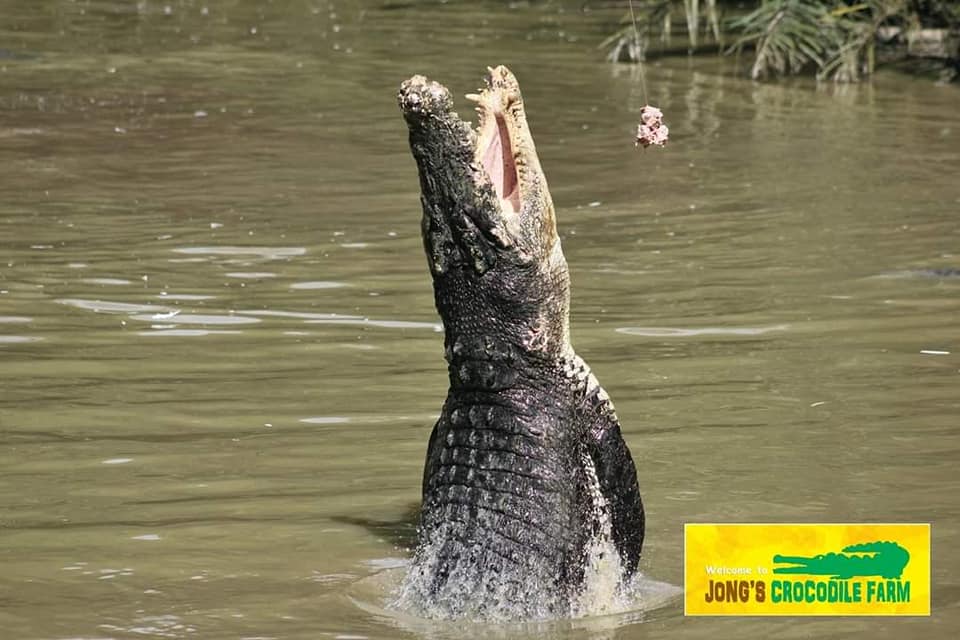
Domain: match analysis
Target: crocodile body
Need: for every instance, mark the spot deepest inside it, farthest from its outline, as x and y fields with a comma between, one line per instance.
x=527, y=476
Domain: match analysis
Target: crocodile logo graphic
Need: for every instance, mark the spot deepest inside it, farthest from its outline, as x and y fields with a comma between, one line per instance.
x=884, y=559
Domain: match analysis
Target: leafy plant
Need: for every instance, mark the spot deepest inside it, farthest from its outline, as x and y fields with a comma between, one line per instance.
x=655, y=17
x=786, y=36
x=836, y=38
x=789, y=35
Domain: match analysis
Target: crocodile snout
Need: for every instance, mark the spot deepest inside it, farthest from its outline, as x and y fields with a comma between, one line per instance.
x=420, y=98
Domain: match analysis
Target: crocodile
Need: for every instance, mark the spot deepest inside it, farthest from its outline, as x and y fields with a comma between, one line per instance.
x=881, y=558
x=528, y=483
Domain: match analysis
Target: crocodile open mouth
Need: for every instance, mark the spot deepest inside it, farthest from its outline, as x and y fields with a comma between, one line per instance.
x=495, y=153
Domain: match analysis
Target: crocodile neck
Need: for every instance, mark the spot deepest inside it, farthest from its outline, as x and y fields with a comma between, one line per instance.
x=487, y=368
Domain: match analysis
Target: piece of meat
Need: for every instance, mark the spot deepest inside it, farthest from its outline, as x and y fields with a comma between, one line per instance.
x=651, y=129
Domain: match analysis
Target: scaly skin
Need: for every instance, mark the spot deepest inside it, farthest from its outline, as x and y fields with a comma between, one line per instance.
x=526, y=465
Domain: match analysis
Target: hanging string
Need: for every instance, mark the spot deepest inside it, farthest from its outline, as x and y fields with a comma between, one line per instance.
x=640, y=53
x=651, y=130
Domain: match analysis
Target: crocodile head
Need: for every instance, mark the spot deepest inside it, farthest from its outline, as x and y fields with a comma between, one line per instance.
x=488, y=226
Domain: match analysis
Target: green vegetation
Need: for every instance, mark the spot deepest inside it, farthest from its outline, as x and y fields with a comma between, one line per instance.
x=839, y=39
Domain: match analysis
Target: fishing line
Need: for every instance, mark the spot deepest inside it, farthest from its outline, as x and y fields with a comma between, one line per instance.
x=640, y=53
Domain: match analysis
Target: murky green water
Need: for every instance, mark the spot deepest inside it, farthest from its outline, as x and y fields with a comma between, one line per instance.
x=219, y=359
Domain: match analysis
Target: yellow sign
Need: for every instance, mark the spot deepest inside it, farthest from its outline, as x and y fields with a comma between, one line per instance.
x=807, y=569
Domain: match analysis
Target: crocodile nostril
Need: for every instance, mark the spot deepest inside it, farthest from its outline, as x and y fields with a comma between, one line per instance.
x=412, y=99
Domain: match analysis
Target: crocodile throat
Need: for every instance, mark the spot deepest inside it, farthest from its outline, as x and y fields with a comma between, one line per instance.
x=495, y=153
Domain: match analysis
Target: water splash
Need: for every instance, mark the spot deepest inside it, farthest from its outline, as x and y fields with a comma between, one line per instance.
x=603, y=571
x=490, y=582
x=474, y=588
x=641, y=599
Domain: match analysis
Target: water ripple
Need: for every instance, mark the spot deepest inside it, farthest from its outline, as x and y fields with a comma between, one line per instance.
x=325, y=420
x=251, y=275
x=319, y=284
x=187, y=332
x=689, y=332
x=106, y=306
x=184, y=296
x=107, y=281
x=270, y=253
x=334, y=318
x=388, y=324
x=303, y=315
x=197, y=318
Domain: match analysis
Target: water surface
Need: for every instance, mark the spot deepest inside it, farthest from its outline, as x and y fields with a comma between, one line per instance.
x=219, y=358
